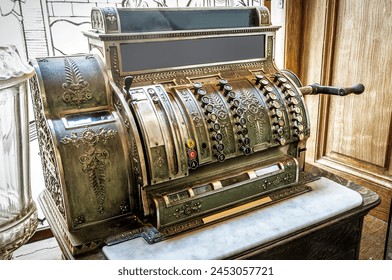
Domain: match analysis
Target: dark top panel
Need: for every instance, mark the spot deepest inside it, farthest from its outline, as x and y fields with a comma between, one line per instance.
x=190, y=52
x=172, y=20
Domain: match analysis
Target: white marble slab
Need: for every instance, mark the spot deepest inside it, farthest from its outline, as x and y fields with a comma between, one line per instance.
x=247, y=231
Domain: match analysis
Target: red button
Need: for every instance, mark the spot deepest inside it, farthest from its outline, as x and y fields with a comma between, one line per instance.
x=192, y=154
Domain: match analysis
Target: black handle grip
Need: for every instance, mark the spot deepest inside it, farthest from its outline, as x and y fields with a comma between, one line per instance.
x=341, y=91
x=128, y=80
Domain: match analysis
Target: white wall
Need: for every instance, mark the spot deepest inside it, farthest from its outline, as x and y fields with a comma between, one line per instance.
x=278, y=18
x=54, y=27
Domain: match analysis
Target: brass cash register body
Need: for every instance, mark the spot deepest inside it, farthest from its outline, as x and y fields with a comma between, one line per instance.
x=176, y=119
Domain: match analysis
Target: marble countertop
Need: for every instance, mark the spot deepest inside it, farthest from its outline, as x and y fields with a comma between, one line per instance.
x=369, y=197
x=253, y=229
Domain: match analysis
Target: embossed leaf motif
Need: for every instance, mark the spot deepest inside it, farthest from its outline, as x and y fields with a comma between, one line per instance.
x=73, y=139
x=95, y=160
x=111, y=18
x=254, y=111
x=76, y=88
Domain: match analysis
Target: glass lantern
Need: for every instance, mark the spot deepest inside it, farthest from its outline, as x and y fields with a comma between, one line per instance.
x=18, y=212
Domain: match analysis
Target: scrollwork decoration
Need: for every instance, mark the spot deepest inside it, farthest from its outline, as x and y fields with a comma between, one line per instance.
x=254, y=111
x=49, y=163
x=187, y=209
x=78, y=220
x=95, y=160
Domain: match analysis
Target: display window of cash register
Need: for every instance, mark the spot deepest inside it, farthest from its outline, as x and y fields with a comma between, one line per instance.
x=176, y=130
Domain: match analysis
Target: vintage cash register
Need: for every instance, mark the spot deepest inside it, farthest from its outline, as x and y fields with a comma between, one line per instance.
x=176, y=120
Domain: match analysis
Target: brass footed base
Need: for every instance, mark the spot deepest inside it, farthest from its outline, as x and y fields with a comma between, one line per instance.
x=83, y=240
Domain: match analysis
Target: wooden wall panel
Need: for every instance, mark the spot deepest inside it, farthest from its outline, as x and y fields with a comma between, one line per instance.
x=312, y=58
x=359, y=126
x=357, y=136
x=293, y=31
x=313, y=27
x=343, y=42
x=305, y=24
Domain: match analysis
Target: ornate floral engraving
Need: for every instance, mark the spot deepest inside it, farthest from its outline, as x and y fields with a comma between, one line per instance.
x=136, y=163
x=127, y=124
x=264, y=14
x=115, y=66
x=276, y=181
x=266, y=184
x=224, y=121
x=197, y=120
x=269, y=46
x=96, y=20
x=78, y=220
x=89, y=137
x=118, y=105
x=64, y=233
x=186, y=96
x=49, y=163
x=295, y=190
x=111, y=17
x=76, y=88
x=223, y=69
x=254, y=112
x=159, y=161
x=182, y=227
x=189, y=3
x=124, y=208
x=95, y=160
x=149, y=233
x=187, y=209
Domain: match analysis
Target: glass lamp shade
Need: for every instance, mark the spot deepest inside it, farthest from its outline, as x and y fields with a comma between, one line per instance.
x=18, y=212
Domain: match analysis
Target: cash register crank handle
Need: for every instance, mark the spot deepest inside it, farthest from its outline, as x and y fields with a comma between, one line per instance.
x=314, y=89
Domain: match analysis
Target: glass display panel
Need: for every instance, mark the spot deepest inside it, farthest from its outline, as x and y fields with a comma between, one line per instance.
x=91, y=117
x=190, y=52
